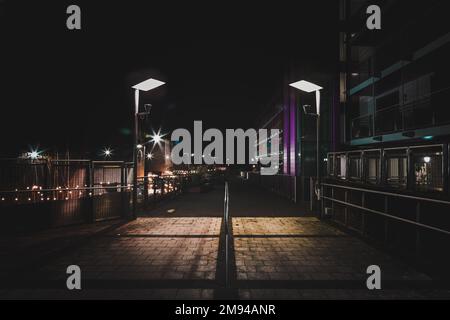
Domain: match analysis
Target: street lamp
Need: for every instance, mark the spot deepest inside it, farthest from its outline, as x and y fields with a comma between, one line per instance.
x=146, y=85
x=309, y=87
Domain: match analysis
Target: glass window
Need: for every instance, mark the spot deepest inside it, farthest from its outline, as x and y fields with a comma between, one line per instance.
x=341, y=166
x=330, y=164
x=354, y=162
x=396, y=168
x=428, y=169
x=372, y=167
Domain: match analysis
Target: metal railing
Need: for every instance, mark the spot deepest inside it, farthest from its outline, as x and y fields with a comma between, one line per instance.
x=385, y=214
x=424, y=112
x=62, y=192
x=416, y=228
x=228, y=234
x=39, y=208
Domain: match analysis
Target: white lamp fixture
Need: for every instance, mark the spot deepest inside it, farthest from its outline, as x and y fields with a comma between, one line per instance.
x=148, y=84
x=305, y=86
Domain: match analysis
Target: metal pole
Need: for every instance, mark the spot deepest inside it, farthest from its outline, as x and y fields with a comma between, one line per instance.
x=145, y=177
x=227, y=236
x=318, y=148
x=317, y=184
x=135, y=155
x=318, y=156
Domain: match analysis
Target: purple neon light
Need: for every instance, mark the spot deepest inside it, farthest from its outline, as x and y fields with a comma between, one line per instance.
x=286, y=126
x=293, y=136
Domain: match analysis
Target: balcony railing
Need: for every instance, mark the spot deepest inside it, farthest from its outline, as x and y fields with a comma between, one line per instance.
x=428, y=111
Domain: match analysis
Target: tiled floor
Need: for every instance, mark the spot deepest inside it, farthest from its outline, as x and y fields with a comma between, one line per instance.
x=306, y=249
x=273, y=226
x=150, y=248
x=172, y=226
x=176, y=256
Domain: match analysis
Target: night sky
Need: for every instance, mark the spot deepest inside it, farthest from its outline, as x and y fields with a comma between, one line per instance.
x=222, y=62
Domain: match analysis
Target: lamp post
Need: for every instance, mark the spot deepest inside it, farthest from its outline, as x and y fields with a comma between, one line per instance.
x=309, y=87
x=146, y=85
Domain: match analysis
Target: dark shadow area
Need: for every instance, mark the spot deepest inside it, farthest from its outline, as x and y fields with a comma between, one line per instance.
x=247, y=200
x=202, y=204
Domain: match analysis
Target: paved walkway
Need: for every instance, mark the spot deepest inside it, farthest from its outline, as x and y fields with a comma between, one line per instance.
x=179, y=255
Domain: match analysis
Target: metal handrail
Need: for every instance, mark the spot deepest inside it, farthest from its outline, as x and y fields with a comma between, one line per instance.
x=388, y=193
x=225, y=208
x=227, y=233
x=418, y=224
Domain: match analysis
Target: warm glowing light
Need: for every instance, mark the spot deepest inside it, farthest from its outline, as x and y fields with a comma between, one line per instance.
x=305, y=86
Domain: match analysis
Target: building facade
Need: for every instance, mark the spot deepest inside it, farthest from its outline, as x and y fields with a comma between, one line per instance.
x=389, y=178
x=297, y=148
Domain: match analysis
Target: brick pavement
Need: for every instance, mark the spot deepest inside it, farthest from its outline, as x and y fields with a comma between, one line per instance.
x=150, y=248
x=23, y=251
x=175, y=256
x=312, y=250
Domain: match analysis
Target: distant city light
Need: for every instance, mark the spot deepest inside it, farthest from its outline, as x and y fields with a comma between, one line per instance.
x=157, y=137
x=107, y=152
x=34, y=155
